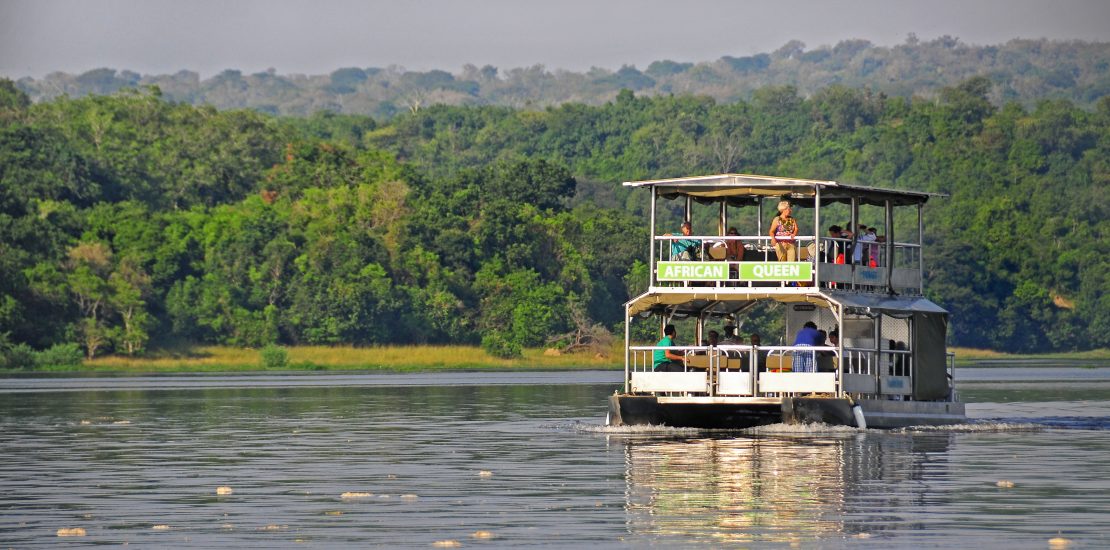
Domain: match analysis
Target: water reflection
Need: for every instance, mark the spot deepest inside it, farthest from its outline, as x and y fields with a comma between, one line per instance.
x=775, y=488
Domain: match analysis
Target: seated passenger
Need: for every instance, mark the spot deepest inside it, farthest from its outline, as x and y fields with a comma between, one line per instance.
x=665, y=360
x=685, y=249
x=804, y=361
x=734, y=248
x=712, y=341
x=760, y=356
x=783, y=230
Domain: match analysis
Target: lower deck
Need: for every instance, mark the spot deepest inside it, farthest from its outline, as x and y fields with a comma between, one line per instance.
x=742, y=413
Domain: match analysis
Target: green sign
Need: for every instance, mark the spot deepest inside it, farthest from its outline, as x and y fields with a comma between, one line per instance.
x=776, y=271
x=693, y=271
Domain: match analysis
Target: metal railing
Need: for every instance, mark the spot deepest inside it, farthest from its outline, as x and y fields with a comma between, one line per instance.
x=738, y=360
x=891, y=371
x=870, y=273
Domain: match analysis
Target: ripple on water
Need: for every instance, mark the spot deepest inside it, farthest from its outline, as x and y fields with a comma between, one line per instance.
x=291, y=452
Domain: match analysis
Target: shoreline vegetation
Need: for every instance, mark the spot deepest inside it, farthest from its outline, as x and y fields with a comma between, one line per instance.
x=399, y=359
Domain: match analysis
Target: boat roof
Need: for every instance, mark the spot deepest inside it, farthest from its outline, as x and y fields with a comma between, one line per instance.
x=739, y=189
x=727, y=301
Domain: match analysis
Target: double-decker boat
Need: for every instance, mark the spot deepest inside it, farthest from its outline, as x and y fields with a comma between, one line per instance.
x=887, y=367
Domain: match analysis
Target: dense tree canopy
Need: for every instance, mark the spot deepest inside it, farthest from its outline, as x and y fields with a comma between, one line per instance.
x=129, y=219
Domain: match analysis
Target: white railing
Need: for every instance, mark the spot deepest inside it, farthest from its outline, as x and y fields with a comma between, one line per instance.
x=735, y=370
x=876, y=373
x=837, y=269
x=754, y=248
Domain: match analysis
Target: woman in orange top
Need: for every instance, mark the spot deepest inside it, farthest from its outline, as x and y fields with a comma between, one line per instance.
x=783, y=230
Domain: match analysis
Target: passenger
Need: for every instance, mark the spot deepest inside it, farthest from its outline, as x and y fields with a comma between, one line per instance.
x=730, y=339
x=897, y=360
x=685, y=249
x=734, y=249
x=831, y=248
x=783, y=230
x=730, y=336
x=760, y=356
x=824, y=365
x=712, y=341
x=834, y=341
x=664, y=359
x=807, y=337
x=846, y=234
x=864, y=237
x=873, y=249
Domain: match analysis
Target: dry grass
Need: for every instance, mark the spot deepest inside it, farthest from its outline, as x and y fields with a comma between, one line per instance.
x=971, y=354
x=405, y=358
x=427, y=358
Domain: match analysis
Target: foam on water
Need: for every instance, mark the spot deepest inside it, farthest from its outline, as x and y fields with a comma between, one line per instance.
x=643, y=429
x=979, y=426
x=817, y=428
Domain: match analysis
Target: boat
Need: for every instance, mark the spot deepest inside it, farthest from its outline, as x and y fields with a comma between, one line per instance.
x=888, y=366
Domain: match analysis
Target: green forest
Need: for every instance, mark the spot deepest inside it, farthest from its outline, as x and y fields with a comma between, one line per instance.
x=130, y=221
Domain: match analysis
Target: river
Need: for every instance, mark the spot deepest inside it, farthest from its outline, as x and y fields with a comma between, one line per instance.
x=522, y=460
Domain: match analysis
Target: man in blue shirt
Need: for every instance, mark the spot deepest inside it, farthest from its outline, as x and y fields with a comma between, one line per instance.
x=664, y=360
x=808, y=336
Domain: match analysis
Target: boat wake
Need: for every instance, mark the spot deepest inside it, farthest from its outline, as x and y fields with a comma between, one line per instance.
x=642, y=429
x=802, y=429
x=977, y=426
x=1059, y=422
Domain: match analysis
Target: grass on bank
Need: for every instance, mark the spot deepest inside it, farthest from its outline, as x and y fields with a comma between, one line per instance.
x=385, y=358
x=182, y=359
x=972, y=356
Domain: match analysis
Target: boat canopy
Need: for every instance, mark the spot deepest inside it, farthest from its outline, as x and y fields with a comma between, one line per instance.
x=745, y=189
x=689, y=302
x=886, y=303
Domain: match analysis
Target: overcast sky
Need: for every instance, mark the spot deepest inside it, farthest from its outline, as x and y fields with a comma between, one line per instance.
x=318, y=36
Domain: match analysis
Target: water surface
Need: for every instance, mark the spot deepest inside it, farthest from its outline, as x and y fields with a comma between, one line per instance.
x=521, y=459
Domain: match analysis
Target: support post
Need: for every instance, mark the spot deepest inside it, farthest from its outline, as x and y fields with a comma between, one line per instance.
x=627, y=351
x=652, y=243
x=855, y=239
x=817, y=237
x=889, y=246
x=920, y=250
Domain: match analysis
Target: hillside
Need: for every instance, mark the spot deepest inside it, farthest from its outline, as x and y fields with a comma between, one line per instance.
x=1025, y=71
x=129, y=219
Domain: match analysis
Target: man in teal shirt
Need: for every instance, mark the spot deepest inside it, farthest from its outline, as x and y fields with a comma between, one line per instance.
x=664, y=359
x=685, y=249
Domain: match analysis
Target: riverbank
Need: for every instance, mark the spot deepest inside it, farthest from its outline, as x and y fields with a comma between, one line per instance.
x=213, y=359
x=203, y=359
x=967, y=357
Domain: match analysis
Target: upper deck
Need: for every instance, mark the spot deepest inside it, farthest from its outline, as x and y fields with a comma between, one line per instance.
x=712, y=262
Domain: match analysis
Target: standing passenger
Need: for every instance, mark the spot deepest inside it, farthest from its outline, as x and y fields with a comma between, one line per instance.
x=864, y=237
x=803, y=359
x=783, y=230
x=831, y=248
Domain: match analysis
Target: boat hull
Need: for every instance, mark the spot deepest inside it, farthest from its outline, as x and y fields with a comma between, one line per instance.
x=632, y=410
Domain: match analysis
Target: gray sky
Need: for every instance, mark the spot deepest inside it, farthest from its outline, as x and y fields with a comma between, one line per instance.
x=318, y=36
